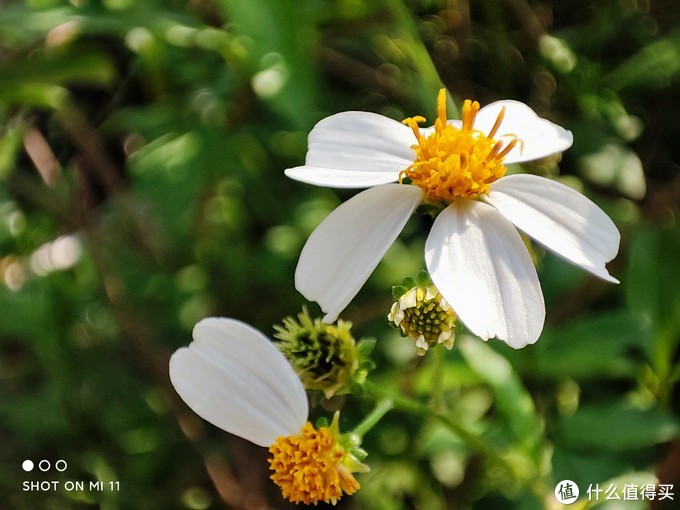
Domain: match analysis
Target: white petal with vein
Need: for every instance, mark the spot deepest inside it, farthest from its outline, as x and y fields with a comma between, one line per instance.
x=370, y=148
x=345, y=248
x=339, y=178
x=560, y=218
x=479, y=263
x=232, y=376
x=540, y=137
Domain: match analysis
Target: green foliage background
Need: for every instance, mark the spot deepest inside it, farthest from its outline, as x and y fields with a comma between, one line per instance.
x=142, y=149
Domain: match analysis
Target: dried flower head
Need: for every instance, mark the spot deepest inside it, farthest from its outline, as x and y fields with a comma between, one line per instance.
x=324, y=356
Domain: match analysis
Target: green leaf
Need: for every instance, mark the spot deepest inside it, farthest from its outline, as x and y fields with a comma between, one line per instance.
x=650, y=294
x=10, y=146
x=512, y=400
x=280, y=56
x=653, y=66
x=653, y=264
x=597, y=346
x=618, y=426
x=71, y=66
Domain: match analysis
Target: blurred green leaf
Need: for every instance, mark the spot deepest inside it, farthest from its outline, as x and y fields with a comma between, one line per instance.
x=607, y=345
x=650, y=295
x=653, y=66
x=72, y=66
x=652, y=265
x=615, y=166
x=35, y=95
x=511, y=398
x=617, y=426
x=20, y=25
x=281, y=54
x=10, y=145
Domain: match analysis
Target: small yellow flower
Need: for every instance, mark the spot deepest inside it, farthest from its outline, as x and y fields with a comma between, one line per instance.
x=313, y=466
x=232, y=376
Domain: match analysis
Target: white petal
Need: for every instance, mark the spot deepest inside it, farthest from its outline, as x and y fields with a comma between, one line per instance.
x=540, y=137
x=339, y=178
x=479, y=263
x=232, y=376
x=345, y=248
x=560, y=218
x=356, y=150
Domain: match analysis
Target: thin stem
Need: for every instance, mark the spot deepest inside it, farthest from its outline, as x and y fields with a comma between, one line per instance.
x=382, y=407
x=418, y=409
x=438, y=403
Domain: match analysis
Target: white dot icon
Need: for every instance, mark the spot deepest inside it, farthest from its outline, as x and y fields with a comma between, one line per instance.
x=27, y=465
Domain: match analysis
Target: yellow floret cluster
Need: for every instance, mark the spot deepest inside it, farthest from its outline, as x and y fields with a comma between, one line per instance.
x=309, y=467
x=456, y=162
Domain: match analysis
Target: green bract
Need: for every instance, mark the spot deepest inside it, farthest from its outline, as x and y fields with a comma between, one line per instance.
x=325, y=356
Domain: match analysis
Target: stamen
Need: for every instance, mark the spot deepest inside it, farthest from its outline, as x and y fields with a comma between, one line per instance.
x=494, y=152
x=511, y=146
x=497, y=124
x=441, y=106
x=465, y=114
x=463, y=160
x=413, y=122
x=457, y=162
x=470, y=109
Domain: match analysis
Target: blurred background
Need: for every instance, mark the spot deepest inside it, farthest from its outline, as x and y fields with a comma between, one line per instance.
x=142, y=149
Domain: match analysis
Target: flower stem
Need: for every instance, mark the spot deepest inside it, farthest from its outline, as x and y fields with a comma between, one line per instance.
x=438, y=403
x=382, y=407
x=416, y=408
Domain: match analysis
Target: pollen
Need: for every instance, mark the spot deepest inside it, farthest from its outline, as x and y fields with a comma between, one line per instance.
x=456, y=162
x=309, y=467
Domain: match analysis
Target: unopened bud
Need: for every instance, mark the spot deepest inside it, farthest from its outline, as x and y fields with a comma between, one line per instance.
x=421, y=313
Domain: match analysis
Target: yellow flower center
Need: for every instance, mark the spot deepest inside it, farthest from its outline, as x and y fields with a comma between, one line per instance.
x=456, y=162
x=309, y=467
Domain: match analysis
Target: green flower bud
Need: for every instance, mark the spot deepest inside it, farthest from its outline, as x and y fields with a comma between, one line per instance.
x=325, y=356
x=421, y=313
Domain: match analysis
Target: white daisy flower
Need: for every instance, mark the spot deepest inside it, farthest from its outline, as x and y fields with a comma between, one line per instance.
x=474, y=254
x=232, y=376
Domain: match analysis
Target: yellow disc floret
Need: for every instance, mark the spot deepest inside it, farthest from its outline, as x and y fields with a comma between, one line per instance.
x=309, y=467
x=456, y=162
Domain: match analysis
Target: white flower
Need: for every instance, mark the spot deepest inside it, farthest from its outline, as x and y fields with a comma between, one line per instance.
x=474, y=254
x=232, y=376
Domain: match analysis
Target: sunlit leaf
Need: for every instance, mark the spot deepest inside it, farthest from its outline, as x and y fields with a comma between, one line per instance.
x=617, y=426
x=511, y=398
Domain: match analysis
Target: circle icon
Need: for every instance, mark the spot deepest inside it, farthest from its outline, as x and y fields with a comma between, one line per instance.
x=27, y=465
x=566, y=492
